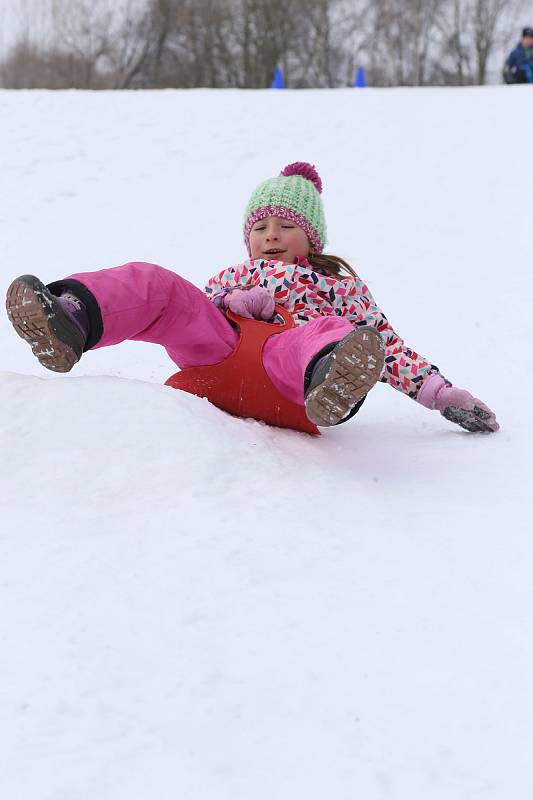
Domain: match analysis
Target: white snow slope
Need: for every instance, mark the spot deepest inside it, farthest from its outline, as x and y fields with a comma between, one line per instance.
x=197, y=607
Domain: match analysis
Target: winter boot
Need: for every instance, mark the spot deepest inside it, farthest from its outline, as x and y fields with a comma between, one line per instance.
x=340, y=379
x=56, y=328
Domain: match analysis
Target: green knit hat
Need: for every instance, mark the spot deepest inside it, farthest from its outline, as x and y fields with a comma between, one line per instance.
x=293, y=195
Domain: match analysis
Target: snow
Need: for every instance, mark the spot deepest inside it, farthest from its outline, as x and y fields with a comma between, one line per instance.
x=195, y=606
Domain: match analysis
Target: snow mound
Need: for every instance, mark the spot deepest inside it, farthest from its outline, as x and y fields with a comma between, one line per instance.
x=145, y=447
x=201, y=606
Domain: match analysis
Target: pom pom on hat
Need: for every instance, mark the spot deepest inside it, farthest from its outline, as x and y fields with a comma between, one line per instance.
x=295, y=195
x=306, y=170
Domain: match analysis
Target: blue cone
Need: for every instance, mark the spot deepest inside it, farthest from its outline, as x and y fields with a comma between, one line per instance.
x=278, y=82
x=360, y=80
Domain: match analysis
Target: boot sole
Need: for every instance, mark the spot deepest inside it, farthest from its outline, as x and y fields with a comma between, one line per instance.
x=357, y=364
x=39, y=319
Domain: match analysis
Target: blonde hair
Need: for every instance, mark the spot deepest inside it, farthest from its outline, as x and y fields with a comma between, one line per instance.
x=334, y=266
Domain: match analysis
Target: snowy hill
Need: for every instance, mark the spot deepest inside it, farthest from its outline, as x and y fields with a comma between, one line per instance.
x=198, y=607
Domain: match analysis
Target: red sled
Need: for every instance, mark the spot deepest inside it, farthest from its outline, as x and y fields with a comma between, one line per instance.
x=240, y=384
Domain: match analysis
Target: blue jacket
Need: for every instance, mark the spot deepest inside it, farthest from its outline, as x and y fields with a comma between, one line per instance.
x=519, y=66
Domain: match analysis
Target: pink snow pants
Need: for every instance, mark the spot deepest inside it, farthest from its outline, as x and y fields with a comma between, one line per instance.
x=145, y=302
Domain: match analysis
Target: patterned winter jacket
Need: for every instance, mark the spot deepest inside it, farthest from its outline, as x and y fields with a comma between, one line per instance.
x=308, y=294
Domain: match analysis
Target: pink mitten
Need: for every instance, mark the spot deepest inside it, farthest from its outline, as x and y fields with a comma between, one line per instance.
x=457, y=405
x=254, y=303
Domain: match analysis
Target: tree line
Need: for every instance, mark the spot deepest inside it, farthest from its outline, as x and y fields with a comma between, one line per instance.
x=153, y=44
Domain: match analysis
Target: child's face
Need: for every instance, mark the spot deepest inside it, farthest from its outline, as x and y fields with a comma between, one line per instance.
x=278, y=239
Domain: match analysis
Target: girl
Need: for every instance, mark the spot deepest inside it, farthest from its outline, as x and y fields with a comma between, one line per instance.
x=341, y=346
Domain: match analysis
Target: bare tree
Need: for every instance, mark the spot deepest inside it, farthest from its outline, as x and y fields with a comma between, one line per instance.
x=265, y=39
x=401, y=41
x=122, y=44
x=456, y=58
x=83, y=33
x=471, y=29
x=130, y=51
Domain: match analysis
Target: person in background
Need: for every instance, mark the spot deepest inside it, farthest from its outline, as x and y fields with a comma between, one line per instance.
x=519, y=66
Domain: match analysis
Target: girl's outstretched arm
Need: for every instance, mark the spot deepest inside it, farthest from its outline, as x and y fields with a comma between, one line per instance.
x=412, y=374
x=405, y=368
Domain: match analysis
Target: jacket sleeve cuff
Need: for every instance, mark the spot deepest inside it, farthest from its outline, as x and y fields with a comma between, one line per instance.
x=427, y=393
x=217, y=298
